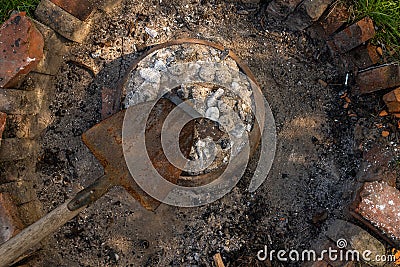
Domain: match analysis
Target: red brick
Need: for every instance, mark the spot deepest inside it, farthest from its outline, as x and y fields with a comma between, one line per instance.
x=3, y=117
x=392, y=100
x=378, y=78
x=21, y=49
x=354, y=35
x=365, y=56
x=9, y=221
x=78, y=8
x=380, y=205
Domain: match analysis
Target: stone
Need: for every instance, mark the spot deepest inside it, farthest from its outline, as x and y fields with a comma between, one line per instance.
x=315, y=8
x=78, y=8
x=353, y=36
x=21, y=49
x=365, y=56
x=16, y=149
x=10, y=223
x=392, y=100
x=282, y=8
x=13, y=101
x=63, y=22
x=379, y=204
x=352, y=237
x=307, y=13
x=379, y=78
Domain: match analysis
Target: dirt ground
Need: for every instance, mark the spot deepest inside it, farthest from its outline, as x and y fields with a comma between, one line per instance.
x=318, y=151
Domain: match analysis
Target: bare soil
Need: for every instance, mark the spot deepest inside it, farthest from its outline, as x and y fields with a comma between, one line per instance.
x=318, y=152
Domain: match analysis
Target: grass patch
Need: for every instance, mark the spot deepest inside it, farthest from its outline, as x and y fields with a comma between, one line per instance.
x=7, y=6
x=386, y=16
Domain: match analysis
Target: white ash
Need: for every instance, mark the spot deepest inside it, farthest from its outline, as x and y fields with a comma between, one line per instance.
x=213, y=99
x=150, y=74
x=213, y=102
x=212, y=113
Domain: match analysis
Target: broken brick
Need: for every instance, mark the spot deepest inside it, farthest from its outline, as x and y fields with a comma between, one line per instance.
x=379, y=204
x=13, y=101
x=353, y=36
x=9, y=221
x=392, y=100
x=78, y=8
x=16, y=149
x=62, y=22
x=365, y=56
x=21, y=49
x=378, y=78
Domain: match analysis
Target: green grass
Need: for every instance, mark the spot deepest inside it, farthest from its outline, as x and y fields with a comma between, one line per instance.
x=386, y=16
x=7, y=6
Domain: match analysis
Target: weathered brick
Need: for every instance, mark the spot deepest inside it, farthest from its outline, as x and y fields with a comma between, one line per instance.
x=392, y=100
x=13, y=101
x=354, y=35
x=21, y=49
x=13, y=171
x=282, y=8
x=77, y=8
x=379, y=78
x=337, y=16
x=365, y=56
x=16, y=149
x=380, y=205
x=53, y=51
x=10, y=224
x=62, y=22
x=31, y=211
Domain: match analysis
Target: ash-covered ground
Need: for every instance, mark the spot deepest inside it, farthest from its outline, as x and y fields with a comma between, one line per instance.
x=312, y=179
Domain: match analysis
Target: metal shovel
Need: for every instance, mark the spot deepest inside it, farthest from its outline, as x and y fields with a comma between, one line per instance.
x=105, y=142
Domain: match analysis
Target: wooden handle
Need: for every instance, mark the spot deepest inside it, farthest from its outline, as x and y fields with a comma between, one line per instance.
x=32, y=235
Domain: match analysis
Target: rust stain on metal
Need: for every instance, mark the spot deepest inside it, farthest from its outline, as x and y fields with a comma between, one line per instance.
x=105, y=142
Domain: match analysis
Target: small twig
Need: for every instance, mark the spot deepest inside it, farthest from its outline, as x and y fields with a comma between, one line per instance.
x=218, y=260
